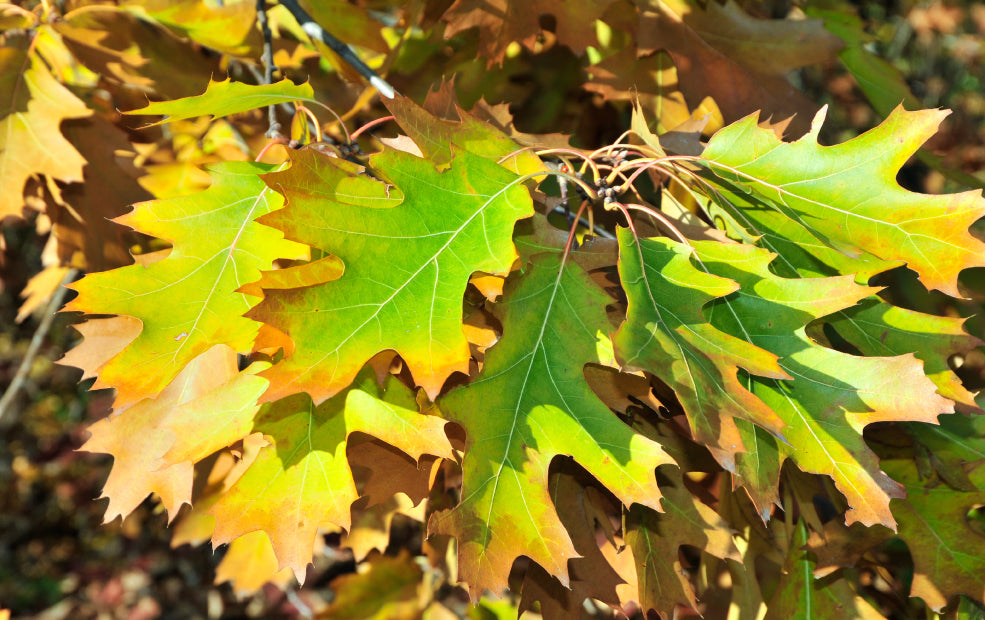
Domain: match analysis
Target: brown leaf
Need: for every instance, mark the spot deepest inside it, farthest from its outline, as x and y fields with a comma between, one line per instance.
x=138, y=53
x=138, y=446
x=103, y=339
x=32, y=106
x=501, y=22
x=39, y=289
x=383, y=470
x=110, y=186
x=703, y=70
x=591, y=575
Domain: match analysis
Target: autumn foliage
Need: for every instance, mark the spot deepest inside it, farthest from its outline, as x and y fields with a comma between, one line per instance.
x=674, y=368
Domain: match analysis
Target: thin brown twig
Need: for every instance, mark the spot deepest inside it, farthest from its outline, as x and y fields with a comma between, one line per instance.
x=32, y=350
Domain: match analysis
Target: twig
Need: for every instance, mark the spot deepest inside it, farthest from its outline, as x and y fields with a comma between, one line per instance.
x=35, y=346
x=598, y=232
x=273, y=131
x=313, y=30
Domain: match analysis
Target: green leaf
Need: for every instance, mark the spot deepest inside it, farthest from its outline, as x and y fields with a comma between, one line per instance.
x=302, y=480
x=188, y=302
x=406, y=267
x=950, y=449
x=878, y=328
x=758, y=467
x=799, y=596
x=529, y=404
x=665, y=333
x=934, y=523
x=847, y=195
x=799, y=251
x=388, y=588
x=655, y=539
x=832, y=396
x=227, y=97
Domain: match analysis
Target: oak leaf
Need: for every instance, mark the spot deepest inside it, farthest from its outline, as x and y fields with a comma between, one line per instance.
x=832, y=396
x=196, y=283
x=940, y=522
x=137, y=445
x=406, y=266
x=536, y=405
x=582, y=510
x=435, y=136
x=847, y=195
x=713, y=61
x=123, y=48
x=875, y=328
x=501, y=22
x=86, y=235
x=655, y=538
x=800, y=595
x=666, y=333
x=303, y=480
x=224, y=98
x=226, y=27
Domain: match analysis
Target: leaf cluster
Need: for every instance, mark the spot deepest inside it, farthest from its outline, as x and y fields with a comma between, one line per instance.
x=674, y=371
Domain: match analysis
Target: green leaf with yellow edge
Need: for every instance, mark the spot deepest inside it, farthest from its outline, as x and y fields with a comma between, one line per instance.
x=406, y=267
x=188, y=302
x=934, y=522
x=832, y=395
x=529, y=404
x=32, y=106
x=847, y=195
x=302, y=480
x=665, y=333
x=750, y=218
x=875, y=327
x=224, y=98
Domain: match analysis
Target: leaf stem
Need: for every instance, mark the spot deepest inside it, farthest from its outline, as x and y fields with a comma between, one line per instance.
x=660, y=217
x=373, y=123
x=314, y=120
x=281, y=140
x=574, y=227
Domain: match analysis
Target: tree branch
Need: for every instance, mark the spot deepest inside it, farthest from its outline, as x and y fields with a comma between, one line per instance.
x=273, y=130
x=35, y=346
x=313, y=30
